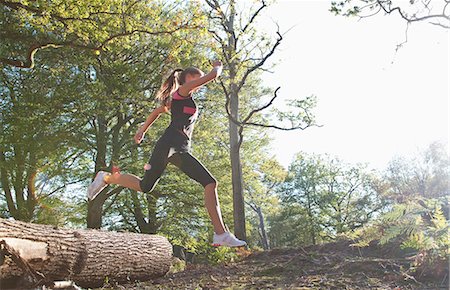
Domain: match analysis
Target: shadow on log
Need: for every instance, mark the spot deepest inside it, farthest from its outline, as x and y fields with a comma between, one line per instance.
x=34, y=254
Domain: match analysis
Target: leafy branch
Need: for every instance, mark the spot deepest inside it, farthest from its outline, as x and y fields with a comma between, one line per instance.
x=40, y=42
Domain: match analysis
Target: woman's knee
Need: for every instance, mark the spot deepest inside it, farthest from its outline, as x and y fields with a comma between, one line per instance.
x=211, y=183
x=151, y=177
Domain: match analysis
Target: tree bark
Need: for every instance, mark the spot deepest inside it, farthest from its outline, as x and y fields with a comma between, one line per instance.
x=6, y=186
x=32, y=201
x=138, y=214
x=154, y=222
x=236, y=174
x=312, y=225
x=95, y=212
x=264, y=239
x=235, y=142
x=87, y=257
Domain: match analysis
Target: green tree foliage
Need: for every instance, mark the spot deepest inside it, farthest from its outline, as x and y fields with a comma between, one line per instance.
x=93, y=26
x=418, y=216
x=87, y=102
x=323, y=197
x=75, y=113
x=262, y=176
x=37, y=148
x=424, y=175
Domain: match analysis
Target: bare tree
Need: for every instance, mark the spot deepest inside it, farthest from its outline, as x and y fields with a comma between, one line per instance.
x=245, y=52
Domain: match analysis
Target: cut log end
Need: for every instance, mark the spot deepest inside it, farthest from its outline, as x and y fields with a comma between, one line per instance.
x=28, y=250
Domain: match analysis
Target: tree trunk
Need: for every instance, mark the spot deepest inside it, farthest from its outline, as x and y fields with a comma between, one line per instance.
x=31, y=190
x=235, y=142
x=87, y=257
x=95, y=210
x=264, y=239
x=152, y=208
x=6, y=186
x=312, y=224
x=236, y=173
x=101, y=138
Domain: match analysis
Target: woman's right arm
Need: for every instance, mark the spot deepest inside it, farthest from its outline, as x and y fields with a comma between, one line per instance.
x=186, y=88
x=150, y=120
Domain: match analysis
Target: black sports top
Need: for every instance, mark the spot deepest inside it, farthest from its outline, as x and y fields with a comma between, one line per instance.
x=184, y=114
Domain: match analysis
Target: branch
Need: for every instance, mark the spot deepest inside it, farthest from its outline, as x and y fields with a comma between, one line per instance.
x=389, y=10
x=30, y=56
x=216, y=7
x=253, y=17
x=246, y=122
x=261, y=61
x=251, y=206
x=18, y=5
x=440, y=24
x=263, y=107
x=116, y=190
x=280, y=128
x=369, y=15
x=35, y=47
x=216, y=36
x=406, y=38
x=183, y=26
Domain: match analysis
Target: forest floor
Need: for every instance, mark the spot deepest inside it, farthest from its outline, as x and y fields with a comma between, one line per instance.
x=328, y=266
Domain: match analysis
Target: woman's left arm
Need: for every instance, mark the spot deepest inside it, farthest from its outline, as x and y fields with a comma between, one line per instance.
x=154, y=115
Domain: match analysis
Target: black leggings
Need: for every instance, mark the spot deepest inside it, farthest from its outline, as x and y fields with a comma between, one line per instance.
x=183, y=160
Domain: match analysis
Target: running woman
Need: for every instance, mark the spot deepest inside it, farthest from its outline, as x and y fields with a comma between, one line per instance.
x=174, y=146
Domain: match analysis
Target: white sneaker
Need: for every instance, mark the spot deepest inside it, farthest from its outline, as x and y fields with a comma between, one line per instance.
x=97, y=185
x=227, y=239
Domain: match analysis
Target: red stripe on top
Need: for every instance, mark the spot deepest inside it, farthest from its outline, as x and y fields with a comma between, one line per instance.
x=189, y=110
x=176, y=96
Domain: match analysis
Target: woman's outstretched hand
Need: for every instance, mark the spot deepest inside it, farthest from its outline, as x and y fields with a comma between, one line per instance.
x=217, y=64
x=138, y=136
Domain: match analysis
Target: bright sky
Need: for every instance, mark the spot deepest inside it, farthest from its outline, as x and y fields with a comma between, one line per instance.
x=374, y=103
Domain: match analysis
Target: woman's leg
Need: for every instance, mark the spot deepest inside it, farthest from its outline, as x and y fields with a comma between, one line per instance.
x=213, y=207
x=153, y=171
x=125, y=180
x=197, y=171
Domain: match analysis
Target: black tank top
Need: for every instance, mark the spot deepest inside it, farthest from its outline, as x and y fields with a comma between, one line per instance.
x=184, y=114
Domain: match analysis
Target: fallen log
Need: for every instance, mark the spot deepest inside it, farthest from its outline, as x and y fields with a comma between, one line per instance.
x=34, y=254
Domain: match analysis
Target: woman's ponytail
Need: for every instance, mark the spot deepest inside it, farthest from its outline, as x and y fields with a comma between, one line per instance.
x=169, y=86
